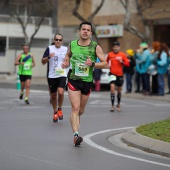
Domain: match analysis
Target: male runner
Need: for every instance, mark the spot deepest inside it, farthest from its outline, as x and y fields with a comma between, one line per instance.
x=26, y=62
x=116, y=60
x=54, y=56
x=81, y=55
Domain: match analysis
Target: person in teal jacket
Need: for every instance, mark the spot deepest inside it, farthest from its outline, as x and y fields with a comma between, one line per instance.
x=138, y=77
x=162, y=65
x=144, y=63
x=153, y=67
x=168, y=70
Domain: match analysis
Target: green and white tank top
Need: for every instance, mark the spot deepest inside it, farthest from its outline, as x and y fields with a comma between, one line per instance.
x=26, y=69
x=80, y=71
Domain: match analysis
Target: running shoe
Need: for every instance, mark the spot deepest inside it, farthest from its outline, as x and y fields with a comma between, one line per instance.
x=77, y=140
x=26, y=101
x=112, y=109
x=21, y=96
x=60, y=114
x=55, y=117
x=118, y=108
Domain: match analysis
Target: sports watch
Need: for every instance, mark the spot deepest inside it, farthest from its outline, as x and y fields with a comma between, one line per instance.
x=93, y=64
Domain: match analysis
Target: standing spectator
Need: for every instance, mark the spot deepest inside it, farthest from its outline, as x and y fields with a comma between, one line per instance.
x=138, y=77
x=54, y=56
x=129, y=71
x=97, y=75
x=26, y=62
x=162, y=65
x=168, y=71
x=144, y=63
x=153, y=68
x=81, y=55
x=116, y=60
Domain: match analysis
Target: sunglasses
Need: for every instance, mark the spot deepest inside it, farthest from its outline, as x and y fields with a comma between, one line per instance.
x=58, y=39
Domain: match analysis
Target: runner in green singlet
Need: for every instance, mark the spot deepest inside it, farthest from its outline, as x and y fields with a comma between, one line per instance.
x=81, y=57
x=25, y=62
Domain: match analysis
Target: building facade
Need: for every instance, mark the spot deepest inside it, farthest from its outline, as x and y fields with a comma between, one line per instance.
x=108, y=22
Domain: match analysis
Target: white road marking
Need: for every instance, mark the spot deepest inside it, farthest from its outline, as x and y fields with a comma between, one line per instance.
x=91, y=143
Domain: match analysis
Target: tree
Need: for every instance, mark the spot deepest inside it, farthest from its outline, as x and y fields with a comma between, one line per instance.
x=141, y=7
x=91, y=16
x=25, y=10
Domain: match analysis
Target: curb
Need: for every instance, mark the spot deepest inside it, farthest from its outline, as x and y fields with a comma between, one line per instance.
x=134, y=139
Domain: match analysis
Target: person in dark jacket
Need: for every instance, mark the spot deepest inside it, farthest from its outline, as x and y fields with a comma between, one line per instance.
x=97, y=75
x=129, y=71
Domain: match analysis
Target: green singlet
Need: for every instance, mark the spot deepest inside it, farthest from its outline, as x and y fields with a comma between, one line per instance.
x=80, y=71
x=25, y=69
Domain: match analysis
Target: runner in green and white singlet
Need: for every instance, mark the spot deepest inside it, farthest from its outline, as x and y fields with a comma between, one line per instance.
x=81, y=57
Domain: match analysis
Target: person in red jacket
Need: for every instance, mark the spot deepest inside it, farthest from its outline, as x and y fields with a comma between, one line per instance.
x=116, y=61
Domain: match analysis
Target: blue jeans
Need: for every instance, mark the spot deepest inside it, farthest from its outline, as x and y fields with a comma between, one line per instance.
x=161, y=84
x=138, y=81
x=128, y=82
x=146, y=82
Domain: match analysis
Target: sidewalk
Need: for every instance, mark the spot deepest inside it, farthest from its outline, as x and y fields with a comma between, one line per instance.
x=131, y=137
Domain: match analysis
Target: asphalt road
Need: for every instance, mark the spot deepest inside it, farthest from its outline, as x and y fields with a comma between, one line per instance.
x=29, y=140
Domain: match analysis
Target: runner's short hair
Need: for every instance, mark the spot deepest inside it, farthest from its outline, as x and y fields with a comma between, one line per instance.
x=116, y=43
x=85, y=23
x=58, y=34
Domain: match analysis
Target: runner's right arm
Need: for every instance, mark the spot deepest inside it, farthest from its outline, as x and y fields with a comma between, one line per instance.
x=17, y=61
x=46, y=56
x=66, y=61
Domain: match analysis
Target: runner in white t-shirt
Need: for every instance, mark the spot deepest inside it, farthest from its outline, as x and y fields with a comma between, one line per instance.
x=54, y=56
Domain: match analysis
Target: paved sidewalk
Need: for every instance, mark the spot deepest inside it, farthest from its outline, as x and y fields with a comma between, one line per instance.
x=131, y=137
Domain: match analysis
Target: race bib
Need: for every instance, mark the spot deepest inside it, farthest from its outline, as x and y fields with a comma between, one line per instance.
x=81, y=70
x=112, y=78
x=59, y=71
x=27, y=66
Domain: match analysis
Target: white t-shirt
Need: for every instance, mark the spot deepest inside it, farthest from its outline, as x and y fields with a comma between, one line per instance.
x=55, y=69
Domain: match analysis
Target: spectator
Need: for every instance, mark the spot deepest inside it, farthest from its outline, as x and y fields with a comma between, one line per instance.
x=168, y=71
x=153, y=68
x=162, y=65
x=129, y=71
x=144, y=63
x=97, y=75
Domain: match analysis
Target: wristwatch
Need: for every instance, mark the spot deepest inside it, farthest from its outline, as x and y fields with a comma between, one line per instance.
x=49, y=57
x=93, y=64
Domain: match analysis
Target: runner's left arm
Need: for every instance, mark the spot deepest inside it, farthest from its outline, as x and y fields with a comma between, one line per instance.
x=101, y=56
x=33, y=61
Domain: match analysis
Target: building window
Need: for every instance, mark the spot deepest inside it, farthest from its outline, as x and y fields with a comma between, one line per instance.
x=2, y=46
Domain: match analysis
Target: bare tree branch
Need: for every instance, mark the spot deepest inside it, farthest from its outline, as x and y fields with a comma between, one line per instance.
x=148, y=4
x=75, y=13
x=159, y=11
x=96, y=11
x=31, y=7
x=143, y=35
x=36, y=30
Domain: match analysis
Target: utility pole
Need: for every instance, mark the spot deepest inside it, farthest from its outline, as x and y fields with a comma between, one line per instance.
x=55, y=17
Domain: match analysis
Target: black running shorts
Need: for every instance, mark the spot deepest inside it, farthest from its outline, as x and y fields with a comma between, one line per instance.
x=23, y=78
x=78, y=85
x=54, y=83
x=118, y=82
